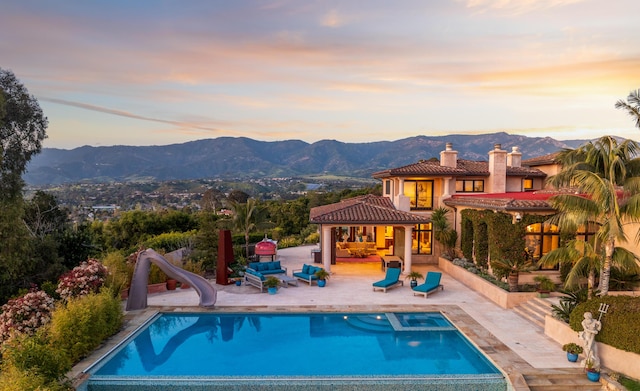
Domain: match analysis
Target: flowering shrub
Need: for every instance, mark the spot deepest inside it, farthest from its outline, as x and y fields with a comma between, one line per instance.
x=25, y=314
x=86, y=278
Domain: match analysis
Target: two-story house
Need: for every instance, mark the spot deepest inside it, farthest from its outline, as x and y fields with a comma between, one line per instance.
x=399, y=222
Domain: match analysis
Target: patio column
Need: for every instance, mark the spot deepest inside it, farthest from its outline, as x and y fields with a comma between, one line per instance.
x=325, y=247
x=408, y=242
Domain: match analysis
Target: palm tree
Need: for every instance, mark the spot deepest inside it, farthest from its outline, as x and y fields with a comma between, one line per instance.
x=442, y=231
x=632, y=105
x=582, y=257
x=247, y=218
x=605, y=174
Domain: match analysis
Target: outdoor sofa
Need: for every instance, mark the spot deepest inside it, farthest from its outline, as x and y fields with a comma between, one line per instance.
x=307, y=273
x=256, y=272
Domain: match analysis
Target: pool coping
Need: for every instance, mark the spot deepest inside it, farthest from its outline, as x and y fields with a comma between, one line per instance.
x=510, y=363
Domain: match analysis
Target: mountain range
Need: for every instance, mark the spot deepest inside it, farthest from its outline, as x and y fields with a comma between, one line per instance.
x=240, y=157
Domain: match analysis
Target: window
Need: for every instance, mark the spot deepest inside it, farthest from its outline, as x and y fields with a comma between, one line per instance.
x=540, y=238
x=420, y=194
x=421, y=243
x=470, y=186
x=527, y=184
x=588, y=233
x=387, y=187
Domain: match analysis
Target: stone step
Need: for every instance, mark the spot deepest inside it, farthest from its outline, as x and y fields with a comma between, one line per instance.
x=575, y=380
x=534, y=310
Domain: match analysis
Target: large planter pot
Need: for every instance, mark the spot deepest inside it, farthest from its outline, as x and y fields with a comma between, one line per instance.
x=238, y=282
x=414, y=283
x=272, y=291
x=172, y=284
x=572, y=357
x=157, y=288
x=322, y=283
x=593, y=376
x=185, y=286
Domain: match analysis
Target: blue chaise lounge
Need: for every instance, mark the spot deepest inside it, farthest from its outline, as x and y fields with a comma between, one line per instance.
x=431, y=284
x=392, y=279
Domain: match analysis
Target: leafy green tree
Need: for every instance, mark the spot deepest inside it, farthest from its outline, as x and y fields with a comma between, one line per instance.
x=238, y=197
x=290, y=216
x=632, y=105
x=605, y=174
x=22, y=130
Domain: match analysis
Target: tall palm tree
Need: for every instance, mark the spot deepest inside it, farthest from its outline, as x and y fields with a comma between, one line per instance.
x=632, y=105
x=605, y=174
x=247, y=218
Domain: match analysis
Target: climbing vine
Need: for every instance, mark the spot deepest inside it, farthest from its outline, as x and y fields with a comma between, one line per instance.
x=494, y=235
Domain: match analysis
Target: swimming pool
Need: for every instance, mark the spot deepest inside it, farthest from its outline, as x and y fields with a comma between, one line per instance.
x=370, y=350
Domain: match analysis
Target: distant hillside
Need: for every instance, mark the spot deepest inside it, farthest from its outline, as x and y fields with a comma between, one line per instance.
x=228, y=157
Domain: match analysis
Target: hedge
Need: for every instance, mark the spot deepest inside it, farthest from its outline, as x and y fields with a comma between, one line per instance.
x=620, y=325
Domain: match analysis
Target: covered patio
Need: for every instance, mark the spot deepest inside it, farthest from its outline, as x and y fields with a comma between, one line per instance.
x=370, y=222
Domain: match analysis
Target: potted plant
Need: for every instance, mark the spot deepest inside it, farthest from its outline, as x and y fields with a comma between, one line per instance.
x=272, y=284
x=511, y=269
x=572, y=349
x=322, y=276
x=545, y=285
x=593, y=373
x=414, y=278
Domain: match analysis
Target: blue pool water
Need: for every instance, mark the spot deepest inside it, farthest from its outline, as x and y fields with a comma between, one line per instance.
x=322, y=345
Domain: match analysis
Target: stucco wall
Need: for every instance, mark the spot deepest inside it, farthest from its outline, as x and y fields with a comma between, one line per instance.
x=496, y=294
x=611, y=358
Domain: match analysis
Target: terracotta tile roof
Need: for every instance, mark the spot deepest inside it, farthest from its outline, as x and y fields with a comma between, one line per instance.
x=367, y=209
x=463, y=168
x=541, y=160
x=505, y=201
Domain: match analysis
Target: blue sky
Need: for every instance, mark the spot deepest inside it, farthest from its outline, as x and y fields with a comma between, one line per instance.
x=162, y=72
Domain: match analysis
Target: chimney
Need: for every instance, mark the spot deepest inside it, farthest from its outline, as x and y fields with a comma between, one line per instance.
x=497, y=170
x=449, y=157
x=514, y=158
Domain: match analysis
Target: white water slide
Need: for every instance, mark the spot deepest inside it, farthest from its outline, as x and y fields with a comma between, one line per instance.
x=138, y=290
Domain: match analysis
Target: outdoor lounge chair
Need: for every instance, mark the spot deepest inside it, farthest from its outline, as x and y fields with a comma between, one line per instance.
x=431, y=284
x=391, y=280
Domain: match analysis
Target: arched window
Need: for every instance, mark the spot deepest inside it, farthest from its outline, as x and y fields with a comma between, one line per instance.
x=540, y=238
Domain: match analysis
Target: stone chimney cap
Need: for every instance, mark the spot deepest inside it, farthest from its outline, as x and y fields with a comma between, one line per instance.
x=449, y=146
x=514, y=149
x=497, y=146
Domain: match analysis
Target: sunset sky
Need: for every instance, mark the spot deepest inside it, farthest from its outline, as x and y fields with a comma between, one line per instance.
x=161, y=72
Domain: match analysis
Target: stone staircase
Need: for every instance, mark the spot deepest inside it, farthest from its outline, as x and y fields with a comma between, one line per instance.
x=534, y=311
x=561, y=379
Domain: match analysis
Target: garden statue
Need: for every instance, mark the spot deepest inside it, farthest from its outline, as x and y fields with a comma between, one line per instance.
x=590, y=327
